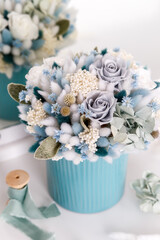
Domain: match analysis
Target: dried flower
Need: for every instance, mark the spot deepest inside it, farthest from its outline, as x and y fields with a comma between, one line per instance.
x=82, y=82
x=36, y=115
x=65, y=111
x=69, y=99
x=90, y=137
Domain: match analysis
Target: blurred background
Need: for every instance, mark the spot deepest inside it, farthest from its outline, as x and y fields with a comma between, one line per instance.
x=132, y=25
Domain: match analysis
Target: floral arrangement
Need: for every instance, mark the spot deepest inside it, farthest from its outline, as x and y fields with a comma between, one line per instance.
x=148, y=191
x=31, y=30
x=89, y=106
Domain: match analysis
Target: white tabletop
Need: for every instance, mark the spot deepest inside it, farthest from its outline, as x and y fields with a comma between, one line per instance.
x=134, y=26
x=125, y=216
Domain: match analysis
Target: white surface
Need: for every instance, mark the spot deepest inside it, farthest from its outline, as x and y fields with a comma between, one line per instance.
x=125, y=216
x=134, y=26
x=12, y=134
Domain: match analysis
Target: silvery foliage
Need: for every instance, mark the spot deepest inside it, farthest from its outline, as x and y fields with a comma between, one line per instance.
x=132, y=128
x=148, y=191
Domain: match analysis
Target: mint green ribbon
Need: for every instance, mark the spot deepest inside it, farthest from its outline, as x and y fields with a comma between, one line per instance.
x=21, y=208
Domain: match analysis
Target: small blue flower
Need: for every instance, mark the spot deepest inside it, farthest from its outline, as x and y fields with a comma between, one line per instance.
x=83, y=110
x=52, y=97
x=155, y=106
x=63, y=148
x=83, y=147
x=17, y=43
x=55, y=108
x=25, y=53
x=57, y=134
x=47, y=20
x=76, y=60
x=29, y=87
x=53, y=76
x=84, y=156
x=22, y=95
x=117, y=49
x=127, y=101
x=135, y=76
x=46, y=72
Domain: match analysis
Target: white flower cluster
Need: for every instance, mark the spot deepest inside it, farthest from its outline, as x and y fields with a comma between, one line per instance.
x=32, y=30
x=36, y=114
x=82, y=82
x=92, y=105
x=90, y=137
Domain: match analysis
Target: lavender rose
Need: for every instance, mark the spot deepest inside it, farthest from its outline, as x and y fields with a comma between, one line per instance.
x=113, y=70
x=101, y=106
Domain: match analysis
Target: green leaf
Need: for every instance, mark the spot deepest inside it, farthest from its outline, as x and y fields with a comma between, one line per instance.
x=133, y=137
x=120, y=137
x=14, y=90
x=144, y=113
x=127, y=110
x=47, y=150
x=117, y=122
x=63, y=26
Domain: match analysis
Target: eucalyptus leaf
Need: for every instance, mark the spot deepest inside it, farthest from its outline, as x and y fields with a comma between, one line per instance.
x=114, y=130
x=144, y=113
x=140, y=145
x=120, y=137
x=133, y=137
x=14, y=90
x=117, y=122
x=63, y=26
x=127, y=110
x=47, y=150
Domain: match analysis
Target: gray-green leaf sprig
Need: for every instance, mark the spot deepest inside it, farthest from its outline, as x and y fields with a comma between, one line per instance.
x=148, y=191
x=132, y=128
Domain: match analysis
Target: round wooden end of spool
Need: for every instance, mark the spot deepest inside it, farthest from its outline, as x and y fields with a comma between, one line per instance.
x=17, y=179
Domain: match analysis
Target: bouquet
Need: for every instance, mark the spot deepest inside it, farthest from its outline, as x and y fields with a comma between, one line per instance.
x=31, y=30
x=89, y=106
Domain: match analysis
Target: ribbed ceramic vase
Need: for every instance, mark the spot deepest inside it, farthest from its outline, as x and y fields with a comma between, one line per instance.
x=8, y=107
x=89, y=187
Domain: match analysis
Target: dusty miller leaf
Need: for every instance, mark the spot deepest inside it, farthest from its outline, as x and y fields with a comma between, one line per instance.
x=14, y=90
x=48, y=149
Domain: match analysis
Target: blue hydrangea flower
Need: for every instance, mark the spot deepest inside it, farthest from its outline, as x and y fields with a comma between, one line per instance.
x=57, y=134
x=84, y=156
x=63, y=148
x=83, y=147
x=76, y=60
x=117, y=49
x=155, y=106
x=83, y=110
x=135, y=82
x=52, y=97
x=17, y=43
x=55, y=108
x=22, y=95
x=46, y=72
x=53, y=76
x=127, y=101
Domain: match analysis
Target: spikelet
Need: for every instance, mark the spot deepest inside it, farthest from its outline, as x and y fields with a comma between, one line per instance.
x=69, y=99
x=65, y=111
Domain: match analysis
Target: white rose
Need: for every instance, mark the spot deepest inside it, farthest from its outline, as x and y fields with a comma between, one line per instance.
x=22, y=27
x=3, y=23
x=144, y=79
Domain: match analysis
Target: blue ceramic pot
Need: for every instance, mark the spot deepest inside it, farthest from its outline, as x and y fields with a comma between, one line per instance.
x=89, y=187
x=8, y=107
